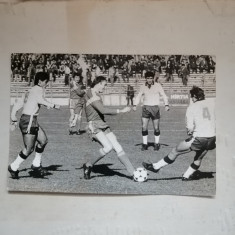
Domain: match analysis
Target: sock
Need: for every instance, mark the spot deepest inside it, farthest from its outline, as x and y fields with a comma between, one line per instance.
x=157, y=137
x=145, y=139
x=16, y=164
x=126, y=162
x=189, y=172
x=37, y=159
x=160, y=164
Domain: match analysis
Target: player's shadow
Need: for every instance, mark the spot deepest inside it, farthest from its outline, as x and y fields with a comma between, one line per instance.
x=104, y=170
x=198, y=175
x=151, y=144
x=82, y=132
x=47, y=171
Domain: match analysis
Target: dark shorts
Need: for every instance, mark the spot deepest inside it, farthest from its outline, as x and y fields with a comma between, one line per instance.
x=94, y=127
x=76, y=105
x=152, y=112
x=27, y=126
x=203, y=143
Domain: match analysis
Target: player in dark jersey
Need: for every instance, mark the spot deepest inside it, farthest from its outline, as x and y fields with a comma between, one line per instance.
x=100, y=130
x=77, y=101
x=32, y=132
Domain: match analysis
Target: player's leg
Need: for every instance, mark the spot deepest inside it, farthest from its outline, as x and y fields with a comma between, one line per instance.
x=195, y=165
x=79, y=121
x=201, y=146
x=123, y=158
x=106, y=148
x=145, y=122
x=72, y=116
x=29, y=143
x=41, y=144
x=181, y=148
x=156, y=123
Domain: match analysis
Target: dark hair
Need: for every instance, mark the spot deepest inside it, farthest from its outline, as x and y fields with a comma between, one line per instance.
x=149, y=74
x=98, y=80
x=41, y=76
x=79, y=75
x=197, y=92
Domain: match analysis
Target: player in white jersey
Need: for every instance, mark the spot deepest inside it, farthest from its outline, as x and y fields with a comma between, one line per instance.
x=200, y=124
x=151, y=92
x=32, y=132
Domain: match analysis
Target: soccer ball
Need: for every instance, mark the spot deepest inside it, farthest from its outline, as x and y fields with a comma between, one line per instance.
x=140, y=175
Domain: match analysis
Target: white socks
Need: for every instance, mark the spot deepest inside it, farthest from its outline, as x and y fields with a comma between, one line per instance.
x=16, y=164
x=145, y=139
x=189, y=172
x=157, y=137
x=159, y=164
x=37, y=159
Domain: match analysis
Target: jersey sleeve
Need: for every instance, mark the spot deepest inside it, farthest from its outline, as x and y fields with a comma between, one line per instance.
x=138, y=97
x=163, y=94
x=100, y=108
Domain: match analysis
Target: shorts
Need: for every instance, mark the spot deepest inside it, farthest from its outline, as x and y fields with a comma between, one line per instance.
x=94, y=127
x=152, y=112
x=76, y=105
x=29, y=124
x=203, y=143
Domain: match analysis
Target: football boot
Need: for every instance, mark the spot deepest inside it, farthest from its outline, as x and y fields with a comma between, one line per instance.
x=149, y=167
x=87, y=171
x=156, y=147
x=14, y=174
x=144, y=147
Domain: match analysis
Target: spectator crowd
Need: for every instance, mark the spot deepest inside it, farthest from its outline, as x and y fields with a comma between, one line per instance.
x=117, y=67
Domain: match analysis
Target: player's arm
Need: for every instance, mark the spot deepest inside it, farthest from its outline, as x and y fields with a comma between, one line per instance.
x=137, y=99
x=16, y=107
x=98, y=105
x=41, y=100
x=163, y=94
x=80, y=91
x=189, y=121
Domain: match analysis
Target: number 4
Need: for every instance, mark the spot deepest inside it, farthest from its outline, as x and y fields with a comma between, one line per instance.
x=206, y=114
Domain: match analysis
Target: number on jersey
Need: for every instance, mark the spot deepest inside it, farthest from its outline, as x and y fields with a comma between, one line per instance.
x=206, y=113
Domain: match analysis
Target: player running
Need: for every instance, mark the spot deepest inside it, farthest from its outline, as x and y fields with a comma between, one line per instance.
x=151, y=92
x=31, y=131
x=77, y=101
x=100, y=130
x=200, y=124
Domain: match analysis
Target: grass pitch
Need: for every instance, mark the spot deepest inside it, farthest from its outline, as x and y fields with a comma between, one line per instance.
x=64, y=155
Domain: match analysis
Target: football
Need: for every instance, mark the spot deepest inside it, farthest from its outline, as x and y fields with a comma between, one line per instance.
x=140, y=175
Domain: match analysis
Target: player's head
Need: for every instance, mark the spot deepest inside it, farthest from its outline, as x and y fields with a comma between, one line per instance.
x=99, y=84
x=197, y=94
x=149, y=77
x=41, y=79
x=77, y=77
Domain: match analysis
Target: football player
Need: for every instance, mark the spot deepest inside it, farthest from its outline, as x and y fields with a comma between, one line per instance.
x=151, y=92
x=200, y=124
x=32, y=132
x=77, y=101
x=100, y=130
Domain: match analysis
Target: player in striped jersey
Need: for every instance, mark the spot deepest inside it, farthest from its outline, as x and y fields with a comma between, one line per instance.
x=151, y=92
x=200, y=124
x=100, y=130
x=32, y=132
